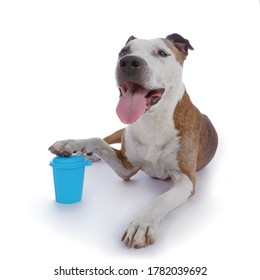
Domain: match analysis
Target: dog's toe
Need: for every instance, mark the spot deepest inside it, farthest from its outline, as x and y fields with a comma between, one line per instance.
x=139, y=234
x=91, y=157
x=63, y=148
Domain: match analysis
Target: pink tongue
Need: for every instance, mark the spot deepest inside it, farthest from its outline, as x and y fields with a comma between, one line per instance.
x=131, y=105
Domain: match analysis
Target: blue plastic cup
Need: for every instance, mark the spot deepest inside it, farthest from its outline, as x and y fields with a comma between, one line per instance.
x=68, y=175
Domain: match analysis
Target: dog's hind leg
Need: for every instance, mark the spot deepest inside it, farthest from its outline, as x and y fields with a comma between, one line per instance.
x=114, y=138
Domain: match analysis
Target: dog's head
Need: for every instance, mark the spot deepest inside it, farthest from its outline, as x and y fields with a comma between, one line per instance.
x=145, y=70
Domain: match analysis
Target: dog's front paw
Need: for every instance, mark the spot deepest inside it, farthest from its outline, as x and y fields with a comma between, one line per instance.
x=84, y=146
x=65, y=148
x=140, y=233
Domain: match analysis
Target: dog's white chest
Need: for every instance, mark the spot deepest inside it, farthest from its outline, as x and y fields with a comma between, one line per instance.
x=152, y=145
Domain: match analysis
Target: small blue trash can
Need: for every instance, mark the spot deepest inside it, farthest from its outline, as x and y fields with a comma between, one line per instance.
x=68, y=175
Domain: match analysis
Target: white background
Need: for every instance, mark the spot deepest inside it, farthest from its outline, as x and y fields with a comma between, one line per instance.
x=57, y=61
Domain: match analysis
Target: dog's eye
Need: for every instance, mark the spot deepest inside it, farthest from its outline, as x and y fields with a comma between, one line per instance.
x=123, y=52
x=162, y=53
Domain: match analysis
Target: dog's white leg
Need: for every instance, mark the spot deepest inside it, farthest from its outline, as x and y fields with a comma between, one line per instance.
x=142, y=231
x=114, y=158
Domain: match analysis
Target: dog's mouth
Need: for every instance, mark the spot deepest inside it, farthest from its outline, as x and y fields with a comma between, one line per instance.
x=135, y=100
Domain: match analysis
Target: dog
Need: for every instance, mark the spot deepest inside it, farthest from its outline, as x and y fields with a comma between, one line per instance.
x=166, y=137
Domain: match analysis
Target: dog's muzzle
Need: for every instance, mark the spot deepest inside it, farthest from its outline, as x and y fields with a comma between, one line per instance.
x=135, y=98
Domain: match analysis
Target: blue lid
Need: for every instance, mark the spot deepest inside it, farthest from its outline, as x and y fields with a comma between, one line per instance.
x=73, y=161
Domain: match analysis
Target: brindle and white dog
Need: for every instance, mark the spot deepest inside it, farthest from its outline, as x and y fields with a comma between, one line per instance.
x=167, y=136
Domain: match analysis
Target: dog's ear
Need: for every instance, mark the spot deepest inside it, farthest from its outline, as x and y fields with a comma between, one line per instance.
x=130, y=39
x=182, y=44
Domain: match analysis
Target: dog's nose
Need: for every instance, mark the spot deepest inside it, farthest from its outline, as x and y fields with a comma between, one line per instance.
x=130, y=63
